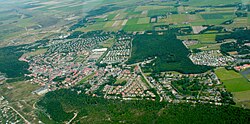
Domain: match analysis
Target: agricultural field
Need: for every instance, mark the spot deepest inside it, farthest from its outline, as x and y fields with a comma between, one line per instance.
x=164, y=14
x=210, y=2
x=237, y=84
x=159, y=12
x=203, y=38
x=138, y=27
x=242, y=98
x=145, y=20
x=233, y=81
x=26, y=21
x=143, y=8
x=217, y=18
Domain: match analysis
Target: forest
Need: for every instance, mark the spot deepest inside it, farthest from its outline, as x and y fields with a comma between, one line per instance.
x=61, y=104
x=237, y=34
x=241, y=36
x=10, y=65
x=9, y=60
x=171, y=54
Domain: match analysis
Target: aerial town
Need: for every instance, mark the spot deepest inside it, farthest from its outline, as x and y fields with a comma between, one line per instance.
x=67, y=63
x=124, y=61
x=211, y=58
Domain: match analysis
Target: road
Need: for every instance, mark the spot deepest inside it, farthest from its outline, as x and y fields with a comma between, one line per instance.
x=75, y=114
x=151, y=85
x=26, y=121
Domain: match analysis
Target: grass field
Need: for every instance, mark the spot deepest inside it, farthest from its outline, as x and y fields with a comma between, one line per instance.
x=242, y=98
x=212, y=16
x=138, y=27
x=158, y=12
x=239, y=22
x=119, y=81
x=233, y=81
x=132, y=21
x=86, y=78
x=111, y=16
x=142, y=8
x=210, y=2
x=109, y=24
x=97, y=26
x=143, y=20
x=37, y=52
x=120, y=16
x=203, y=38
x=107, y=44
x=216, y=18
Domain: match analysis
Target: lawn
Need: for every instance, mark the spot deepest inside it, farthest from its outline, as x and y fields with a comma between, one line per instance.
x=233, y=81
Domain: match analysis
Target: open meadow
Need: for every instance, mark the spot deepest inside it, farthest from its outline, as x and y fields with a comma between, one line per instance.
x=237, y=84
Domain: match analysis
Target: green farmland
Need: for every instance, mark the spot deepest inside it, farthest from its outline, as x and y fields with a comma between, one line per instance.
x=233, y=81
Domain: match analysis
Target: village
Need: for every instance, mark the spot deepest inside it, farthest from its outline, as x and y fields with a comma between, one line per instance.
x=211, y=58
x=120, y=51
x=68, y=63
x=65, y=63
x=204, y=88
x=8, y=115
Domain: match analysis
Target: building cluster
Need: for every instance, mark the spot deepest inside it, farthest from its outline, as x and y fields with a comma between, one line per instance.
x=120, y=51
x=210, y=91
x=118, y=83
x=96, y=54
x=7, y=114
x=242, y=67
x=60, y=66
x=211, y=58
x=70, y=62
x=133, y=88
